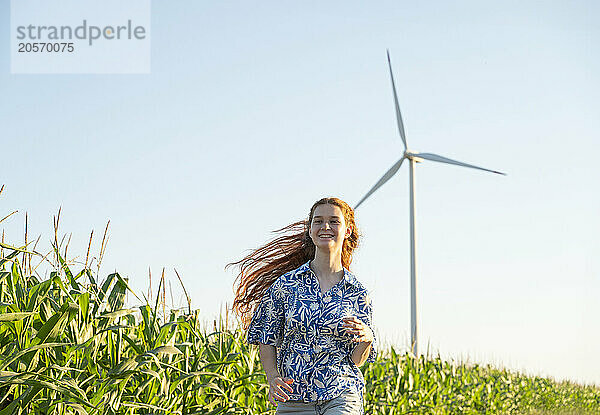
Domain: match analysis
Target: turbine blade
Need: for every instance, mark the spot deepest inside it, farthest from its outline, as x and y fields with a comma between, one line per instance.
x=398, y=115
x=387, y=176
x=440, y=159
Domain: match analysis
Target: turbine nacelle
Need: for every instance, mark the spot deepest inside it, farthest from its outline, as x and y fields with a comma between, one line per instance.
x=412, y=156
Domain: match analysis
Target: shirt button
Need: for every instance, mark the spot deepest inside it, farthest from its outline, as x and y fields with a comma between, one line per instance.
x=317, y=348
x=327, y=299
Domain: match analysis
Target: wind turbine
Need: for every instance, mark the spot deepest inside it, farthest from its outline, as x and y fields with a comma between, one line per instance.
x=413, y=157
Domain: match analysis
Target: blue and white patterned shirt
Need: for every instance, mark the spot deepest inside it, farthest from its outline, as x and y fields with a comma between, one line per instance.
x=306, y=326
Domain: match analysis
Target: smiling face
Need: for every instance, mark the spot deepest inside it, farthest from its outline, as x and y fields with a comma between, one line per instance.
x=328, y=228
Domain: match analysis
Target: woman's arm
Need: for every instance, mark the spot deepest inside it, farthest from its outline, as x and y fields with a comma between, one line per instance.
x=361, y=327
x=360, y=353
x=277, y=385
x=268, y=358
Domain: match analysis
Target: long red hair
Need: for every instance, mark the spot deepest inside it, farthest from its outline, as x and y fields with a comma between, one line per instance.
x=260, y=268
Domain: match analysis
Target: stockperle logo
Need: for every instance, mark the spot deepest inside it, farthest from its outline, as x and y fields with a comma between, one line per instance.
x=80, y=36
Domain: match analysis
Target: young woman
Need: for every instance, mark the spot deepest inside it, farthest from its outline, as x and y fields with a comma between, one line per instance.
x=313, y=318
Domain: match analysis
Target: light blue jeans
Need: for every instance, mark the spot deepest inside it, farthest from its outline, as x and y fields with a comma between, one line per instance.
x=348, y=403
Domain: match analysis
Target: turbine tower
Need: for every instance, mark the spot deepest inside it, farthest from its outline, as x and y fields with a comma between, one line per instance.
x=413, y=158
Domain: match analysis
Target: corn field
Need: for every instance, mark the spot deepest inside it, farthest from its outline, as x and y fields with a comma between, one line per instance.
x=68, y=345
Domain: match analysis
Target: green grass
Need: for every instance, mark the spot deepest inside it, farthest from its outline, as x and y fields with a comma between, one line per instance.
x=68, y=345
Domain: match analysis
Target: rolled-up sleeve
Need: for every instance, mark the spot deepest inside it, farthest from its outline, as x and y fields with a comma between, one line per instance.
x=365, y=314
x=268, y=319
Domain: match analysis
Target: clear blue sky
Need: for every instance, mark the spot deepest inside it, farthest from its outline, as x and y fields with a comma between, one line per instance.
x=252, y=111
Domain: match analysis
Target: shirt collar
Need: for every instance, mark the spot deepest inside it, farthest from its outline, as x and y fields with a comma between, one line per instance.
x=348, y=276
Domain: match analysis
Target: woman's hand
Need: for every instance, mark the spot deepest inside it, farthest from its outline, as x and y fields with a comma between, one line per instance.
x=355, y=326
x=277, y=384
